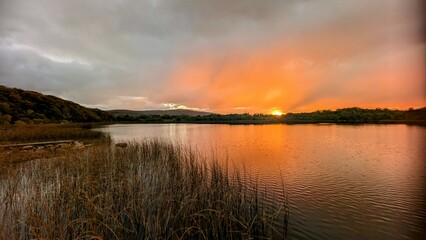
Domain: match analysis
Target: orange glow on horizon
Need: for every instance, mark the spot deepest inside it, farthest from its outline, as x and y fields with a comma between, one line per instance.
x=277, y=113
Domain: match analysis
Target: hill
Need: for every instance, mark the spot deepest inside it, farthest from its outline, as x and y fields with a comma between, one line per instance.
x=173, y=112
x=21, y=106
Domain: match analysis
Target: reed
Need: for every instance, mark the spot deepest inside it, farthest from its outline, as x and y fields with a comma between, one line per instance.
x=149, y=190
x=49, y=132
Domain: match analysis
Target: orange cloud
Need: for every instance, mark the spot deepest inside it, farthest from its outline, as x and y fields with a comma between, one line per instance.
x=272, y=77
x=255, y=81
x=354, y=62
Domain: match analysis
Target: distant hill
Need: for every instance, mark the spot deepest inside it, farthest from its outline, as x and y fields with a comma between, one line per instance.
x=174, y=112
x=33, y=107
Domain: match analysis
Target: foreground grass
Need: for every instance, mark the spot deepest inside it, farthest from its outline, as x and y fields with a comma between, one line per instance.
x=149, y=190
x=49, y=132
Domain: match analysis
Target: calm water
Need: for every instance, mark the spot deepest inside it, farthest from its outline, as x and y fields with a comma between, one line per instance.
x=342, y=182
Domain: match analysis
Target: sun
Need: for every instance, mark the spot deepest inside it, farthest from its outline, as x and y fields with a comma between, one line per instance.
x=277, y=113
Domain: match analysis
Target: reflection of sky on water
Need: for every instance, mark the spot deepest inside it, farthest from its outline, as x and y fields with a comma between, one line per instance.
x=352, y=182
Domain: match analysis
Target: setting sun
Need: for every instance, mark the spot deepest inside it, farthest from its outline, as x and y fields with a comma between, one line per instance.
x=277, y=113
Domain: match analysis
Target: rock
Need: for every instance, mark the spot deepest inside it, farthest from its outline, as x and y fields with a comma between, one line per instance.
x=78, y=145
x=27, y=147
x=88, y=145
x=121, y=145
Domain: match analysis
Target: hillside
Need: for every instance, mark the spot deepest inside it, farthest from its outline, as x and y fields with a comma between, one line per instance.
x=174, y=112
x=17, y=105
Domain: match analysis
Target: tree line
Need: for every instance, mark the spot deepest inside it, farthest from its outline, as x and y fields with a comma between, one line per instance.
x=346, y=115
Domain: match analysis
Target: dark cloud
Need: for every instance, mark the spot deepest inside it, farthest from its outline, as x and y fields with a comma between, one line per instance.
x=127, y=54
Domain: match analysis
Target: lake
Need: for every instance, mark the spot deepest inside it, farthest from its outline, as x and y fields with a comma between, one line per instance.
x=342, y=181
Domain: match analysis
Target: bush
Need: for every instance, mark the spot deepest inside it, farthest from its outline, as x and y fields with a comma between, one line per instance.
x=20, y=123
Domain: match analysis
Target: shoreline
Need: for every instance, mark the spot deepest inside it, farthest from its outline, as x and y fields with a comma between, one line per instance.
x=255, y=122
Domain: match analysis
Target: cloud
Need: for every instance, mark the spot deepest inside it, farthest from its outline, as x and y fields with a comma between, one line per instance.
x=217, y=55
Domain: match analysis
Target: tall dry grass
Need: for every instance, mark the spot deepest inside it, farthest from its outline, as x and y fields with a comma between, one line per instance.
x=149, y=190
x=49, y=132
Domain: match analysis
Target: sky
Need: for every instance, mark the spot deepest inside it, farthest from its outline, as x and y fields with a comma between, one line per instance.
x=221, y=56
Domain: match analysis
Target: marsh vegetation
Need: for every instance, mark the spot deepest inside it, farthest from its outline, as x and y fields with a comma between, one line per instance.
x=149, y=190
x=50, y=132
x=10, y=135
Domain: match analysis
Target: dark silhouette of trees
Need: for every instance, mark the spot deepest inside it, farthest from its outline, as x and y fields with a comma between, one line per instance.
x=358, y=115
x=342, y=116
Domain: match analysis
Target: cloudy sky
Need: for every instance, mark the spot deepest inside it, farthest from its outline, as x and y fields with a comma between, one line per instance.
x=219, y=55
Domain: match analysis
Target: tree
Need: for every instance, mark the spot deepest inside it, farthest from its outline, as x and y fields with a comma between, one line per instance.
x=4, y=107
